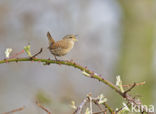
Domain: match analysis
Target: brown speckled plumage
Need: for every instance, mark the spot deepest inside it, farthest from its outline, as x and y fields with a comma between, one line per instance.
x=61, y=47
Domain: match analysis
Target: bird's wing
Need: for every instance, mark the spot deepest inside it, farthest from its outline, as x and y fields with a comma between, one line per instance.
x=60, y=44
x=51, y=40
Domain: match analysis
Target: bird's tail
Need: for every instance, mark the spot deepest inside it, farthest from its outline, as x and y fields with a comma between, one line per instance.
x=51, y=40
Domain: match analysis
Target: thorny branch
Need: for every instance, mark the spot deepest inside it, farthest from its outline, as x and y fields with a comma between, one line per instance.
x=85, y=71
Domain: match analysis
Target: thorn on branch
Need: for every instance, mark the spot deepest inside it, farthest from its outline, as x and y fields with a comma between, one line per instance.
x=16, y=60
x=92, y=74
x=6, y=61
x=47, y=63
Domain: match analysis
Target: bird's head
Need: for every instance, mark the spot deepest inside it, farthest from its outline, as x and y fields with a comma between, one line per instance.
x=70, y=37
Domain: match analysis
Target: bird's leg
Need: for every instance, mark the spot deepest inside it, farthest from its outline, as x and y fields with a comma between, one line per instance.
x=55, y=58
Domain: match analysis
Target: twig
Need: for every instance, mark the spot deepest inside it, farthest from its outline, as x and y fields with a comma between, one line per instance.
x=109, y=108
x=119, y=110
x=42, y=107
x=16, y=54
x=37, y=53
x=79, y=109
x=96, y=103
x=15, y=110
x=95, y=100
x=128, y=90
x=137, y=84
x=90, y=103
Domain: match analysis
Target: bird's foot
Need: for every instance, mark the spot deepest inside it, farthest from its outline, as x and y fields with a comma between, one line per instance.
x=56, y=58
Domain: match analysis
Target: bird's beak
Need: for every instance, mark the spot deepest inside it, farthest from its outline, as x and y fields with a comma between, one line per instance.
x=75, y=40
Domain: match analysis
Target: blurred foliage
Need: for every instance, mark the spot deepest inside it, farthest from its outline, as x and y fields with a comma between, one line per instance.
x=137, y=46
x=42, y=98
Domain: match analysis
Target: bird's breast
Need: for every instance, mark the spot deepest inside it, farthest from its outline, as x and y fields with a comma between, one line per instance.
x=62, y=48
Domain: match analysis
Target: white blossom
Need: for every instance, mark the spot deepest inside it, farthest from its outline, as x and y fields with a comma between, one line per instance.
x=7, y=52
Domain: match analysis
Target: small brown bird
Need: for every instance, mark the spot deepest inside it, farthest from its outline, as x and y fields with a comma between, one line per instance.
x=61, y=47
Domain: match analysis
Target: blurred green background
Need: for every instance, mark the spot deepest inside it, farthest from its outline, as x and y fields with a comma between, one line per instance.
x=116, y=37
